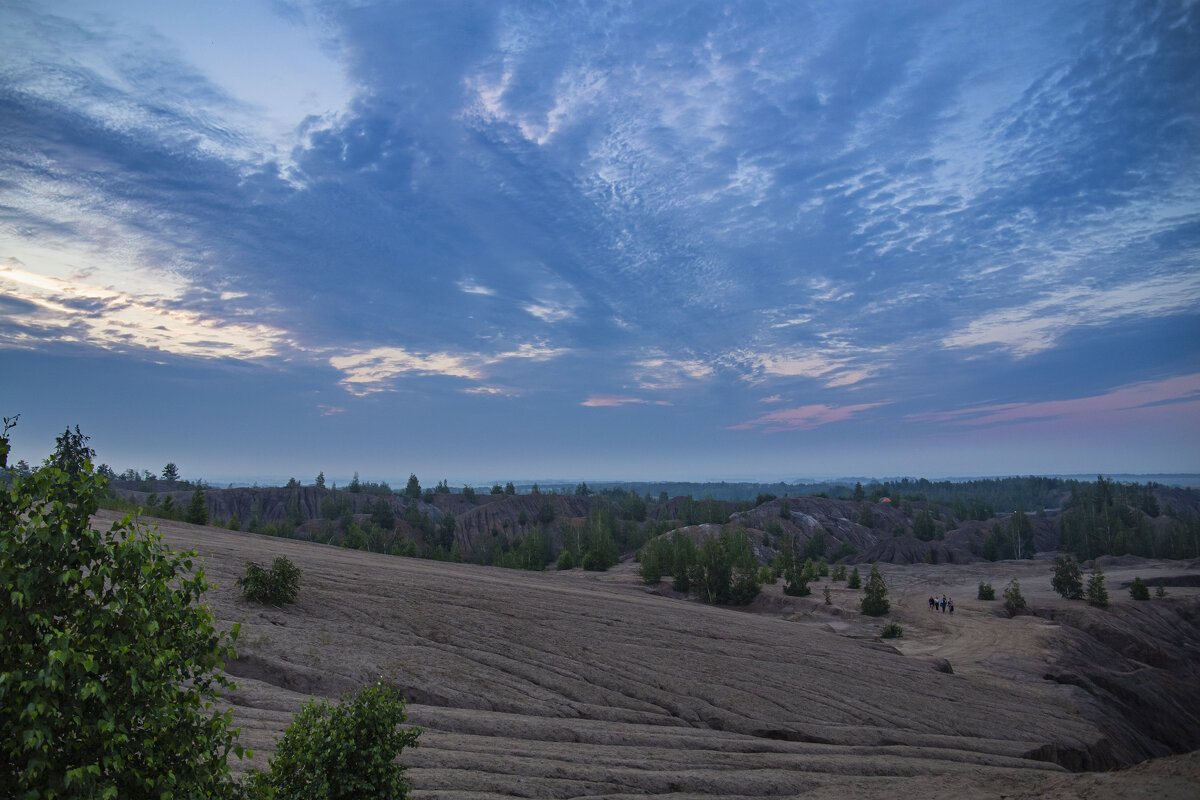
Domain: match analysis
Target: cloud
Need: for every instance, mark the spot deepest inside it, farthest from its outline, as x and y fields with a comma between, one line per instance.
x=492, y=391
x=469, y=286
x=835, y=364
x=771, y=400
x=661, y=372
x=1026, y=330
x=375, y=370
x=330, y=411
x=548, y=311
x=803, y=418
x=79, y=312
x=1148, y=394
x=614, y=400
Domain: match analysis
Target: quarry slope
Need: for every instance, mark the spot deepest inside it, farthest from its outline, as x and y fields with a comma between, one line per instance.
x=592, y=685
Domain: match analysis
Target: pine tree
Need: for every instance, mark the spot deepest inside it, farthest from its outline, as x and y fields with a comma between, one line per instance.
x=875, y=602
x=1138, y=590
x=855, y=580
x=197, y=510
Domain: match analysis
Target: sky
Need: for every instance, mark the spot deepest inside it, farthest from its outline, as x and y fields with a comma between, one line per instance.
x=489, y=241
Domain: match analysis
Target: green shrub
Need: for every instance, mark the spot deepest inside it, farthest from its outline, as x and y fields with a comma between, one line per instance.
x=110, y=662
x=1139, y=590
x=1014, y=601
x=341, y=751
x=1160, y=591
x=565, y=561
x=1067, y=580
x=854, y=581
x=276, y=586
x=828, y=596
x=986, y=592
x=875, y=602
x=891, y=631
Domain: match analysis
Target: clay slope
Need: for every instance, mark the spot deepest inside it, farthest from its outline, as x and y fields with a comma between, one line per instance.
x=592, y=685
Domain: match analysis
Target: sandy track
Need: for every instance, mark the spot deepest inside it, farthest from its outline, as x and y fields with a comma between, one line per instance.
x=582, y=685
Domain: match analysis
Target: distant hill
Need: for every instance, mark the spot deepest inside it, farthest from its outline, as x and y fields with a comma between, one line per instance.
x=915, y=521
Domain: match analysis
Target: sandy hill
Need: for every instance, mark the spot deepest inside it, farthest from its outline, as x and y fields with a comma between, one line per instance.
x=594, y=685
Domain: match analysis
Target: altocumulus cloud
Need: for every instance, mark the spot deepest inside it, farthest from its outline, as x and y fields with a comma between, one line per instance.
x=375, y=370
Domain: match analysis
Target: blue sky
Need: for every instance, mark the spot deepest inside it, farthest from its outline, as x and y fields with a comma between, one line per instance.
x=603, y=240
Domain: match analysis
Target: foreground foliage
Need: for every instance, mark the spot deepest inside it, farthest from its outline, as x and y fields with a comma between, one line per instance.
x=109, y=664
x=342, y=751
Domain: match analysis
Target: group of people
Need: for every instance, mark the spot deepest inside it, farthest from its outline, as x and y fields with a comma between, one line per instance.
x=944, y=603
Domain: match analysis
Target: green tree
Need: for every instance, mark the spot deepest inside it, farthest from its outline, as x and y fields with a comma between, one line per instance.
x=277, y=586
x=1014, y=601
x=875, y=602
x=71, y=452
x=382, y=514
x=565, y=561
x=355, y=484
x=1021, y=533
x=855, y=580
x=986, y=592
x=321, y=479
x=1138, y=590
x=859, y=493
x=509, y=489
x=866, y=517
x=345, y=751
x=413, y=489
x=1096, y=594
x=828, y=596
x=170, y=472
x=1067, y=580
x=110, y=662
x=446, y=531
x=197, y=509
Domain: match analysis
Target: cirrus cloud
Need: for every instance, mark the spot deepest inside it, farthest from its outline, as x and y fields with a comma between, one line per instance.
x=803, y=418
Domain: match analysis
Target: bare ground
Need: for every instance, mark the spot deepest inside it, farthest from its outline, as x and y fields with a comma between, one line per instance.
x=593, y=685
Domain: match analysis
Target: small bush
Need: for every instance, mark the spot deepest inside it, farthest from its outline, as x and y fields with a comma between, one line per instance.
x=565, y=561
x=1139, y=590
x=276, y=586
x=346, y=750
x=891, y=631
x=855, y=580
x=828, y=596
x=986, y=592
x=1160, y=591
x=1014, y=601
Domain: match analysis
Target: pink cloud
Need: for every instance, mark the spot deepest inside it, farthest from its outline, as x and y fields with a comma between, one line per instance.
x=803, y=418
x=614, y=400
x=1181, y=389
